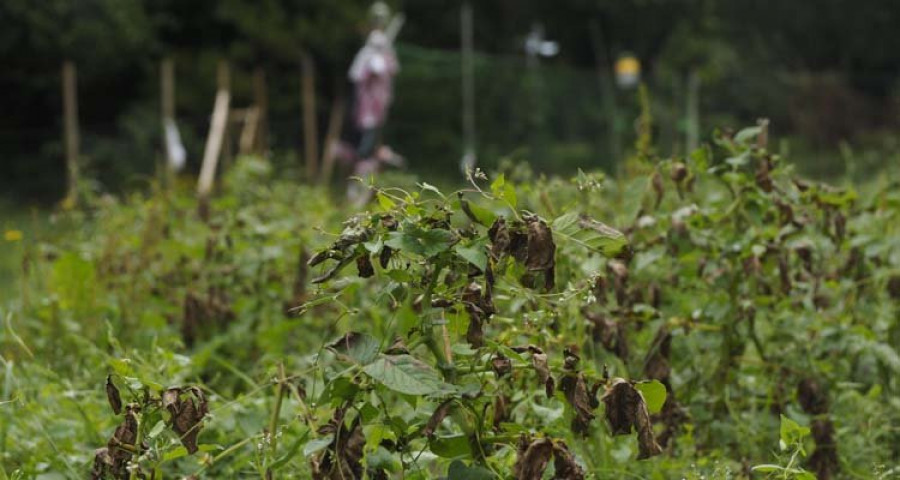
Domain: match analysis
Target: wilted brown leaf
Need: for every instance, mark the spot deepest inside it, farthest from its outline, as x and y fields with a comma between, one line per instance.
x=539, y=361
x=501, y=413
x=812, y=397
x=575, y=389
x=658, y=188
x=364, y=266
x=541, y=251
x=187, y=407
x=112, y=395
x=627, y=410
x=501, y=365
x=532, y=458
x=824, y=460
x=343, y=458
x=437, y=417
x=564, y=463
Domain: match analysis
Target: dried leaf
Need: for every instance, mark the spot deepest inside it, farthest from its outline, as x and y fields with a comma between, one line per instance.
x=532, y=459
x=186, y=414
x=343, y=458
x=824, y=460
x=112, y=395
x=575, y=389
x=539, y=361
x=626, y=410
x=437, y=417
x=102, y=464
x=385, y=256
x=678, y=172
x=501, y=410
x=658, y=188
x=812, y=397
x=564, y=463
x=364, y=266
x=541, y=251
x=501, y=365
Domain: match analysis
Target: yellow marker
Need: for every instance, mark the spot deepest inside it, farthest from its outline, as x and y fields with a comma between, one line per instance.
x=12, y=235
x=628, y=71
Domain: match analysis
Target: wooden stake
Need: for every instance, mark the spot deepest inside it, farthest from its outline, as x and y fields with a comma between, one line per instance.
x=261, y=101
x=310, y=129
x=70, y=122
x=335, y=120
x=692, y=139
x=215, y=137
x=608, y=92
x=251, y=130
x=167, y=88
x=468, y=84
x=167, y=113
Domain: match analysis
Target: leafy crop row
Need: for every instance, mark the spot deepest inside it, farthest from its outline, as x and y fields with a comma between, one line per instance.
x=704, y=316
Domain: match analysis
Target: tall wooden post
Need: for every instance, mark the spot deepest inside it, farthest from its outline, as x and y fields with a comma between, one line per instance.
x=607, y=92
x=332, y=136
x=214, y=139
x=310, y=129
x=167, y=111
x=261, y=101
x=70, y=126
x=167, y=89
x=468, y=85
x=692, y=139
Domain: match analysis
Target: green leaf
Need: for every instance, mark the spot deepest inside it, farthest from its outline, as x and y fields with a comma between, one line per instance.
x=426, y=243
x=460, y=471
x=382, y=459
x=747, y=134
x=405, y=374
x=474, y=254
x=316, y=445
x=767, y=468
x=177, y=452
x=504, y=191
x=477, y=213
x=430, y=188
x=791, y=432
x=654, y=394
x=356, y=347
x=384, y=201
x=157, y=429
x=590, y=234
x=453, y=446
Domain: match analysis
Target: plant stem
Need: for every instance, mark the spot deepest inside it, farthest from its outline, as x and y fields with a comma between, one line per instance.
x=430, y=332
x=273, y=424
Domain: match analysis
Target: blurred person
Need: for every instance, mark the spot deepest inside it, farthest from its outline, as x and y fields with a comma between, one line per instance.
x=372, y=74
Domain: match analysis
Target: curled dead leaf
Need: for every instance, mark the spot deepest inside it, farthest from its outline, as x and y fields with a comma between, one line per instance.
x=187, y=407
x=564, y=463
x=364, y=266
x=437, y=417
x=626, y=410
x=541, y=366
x=112, y=395
x=501, y=365
x=824, y=459
x=532, y=458
x=575, y=389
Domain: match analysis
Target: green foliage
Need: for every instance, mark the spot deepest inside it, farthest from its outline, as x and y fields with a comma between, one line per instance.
x=678, y=322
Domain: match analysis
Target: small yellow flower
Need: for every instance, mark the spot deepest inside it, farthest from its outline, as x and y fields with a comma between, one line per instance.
x=12, y=235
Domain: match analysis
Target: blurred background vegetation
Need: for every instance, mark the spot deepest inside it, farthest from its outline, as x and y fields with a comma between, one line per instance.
x=824, y=72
